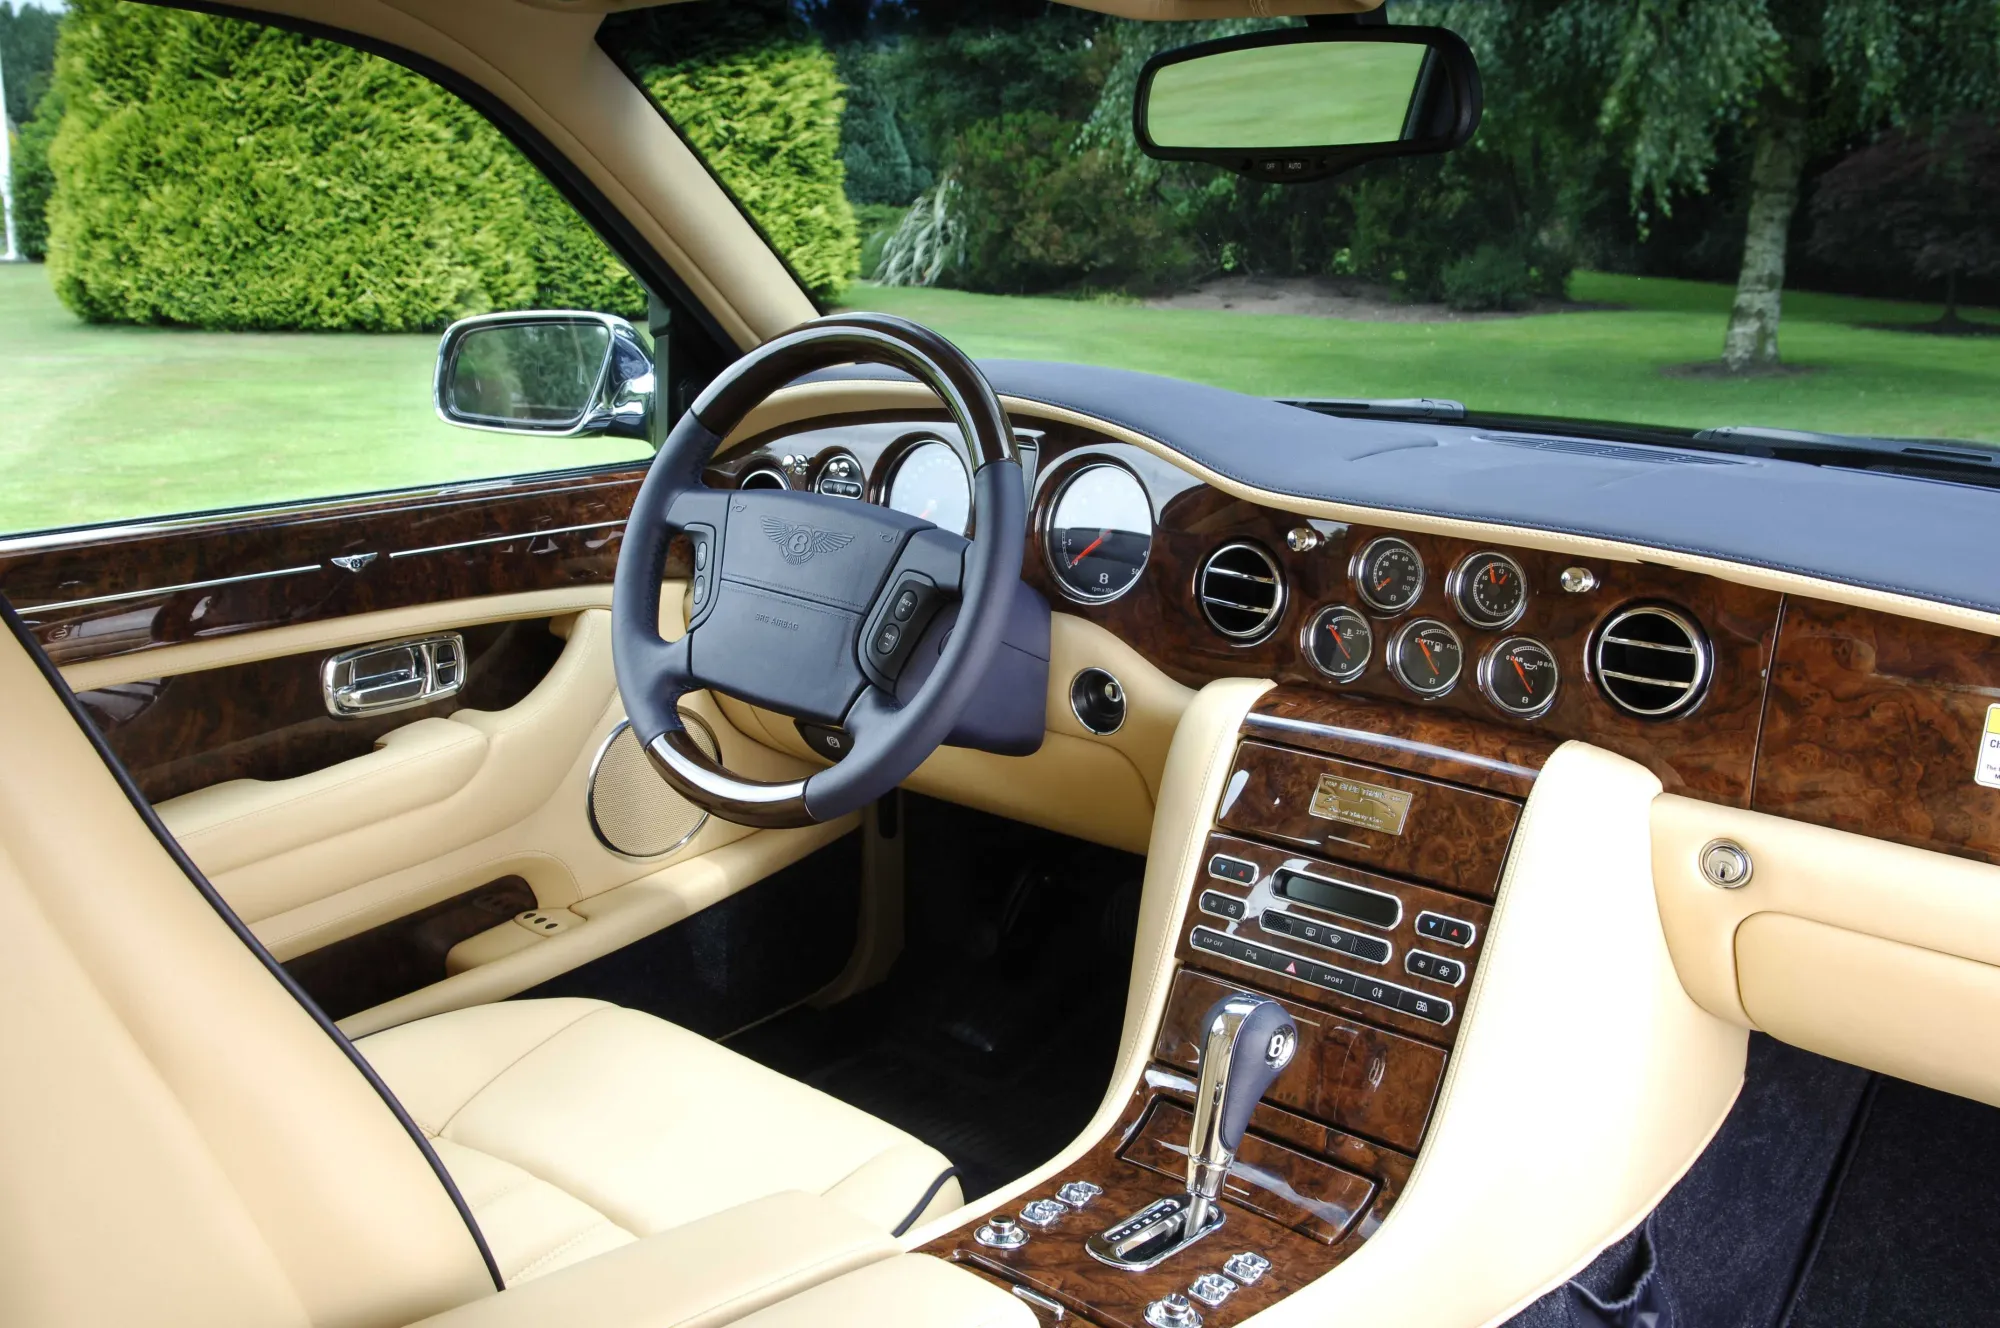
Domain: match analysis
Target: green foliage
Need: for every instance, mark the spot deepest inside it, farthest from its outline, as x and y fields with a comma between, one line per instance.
x=873, y=144
x=766, y=117
x=223, y=174
x=1040, y=213
x=877, y=222
x=28, y=55
x=33, y=181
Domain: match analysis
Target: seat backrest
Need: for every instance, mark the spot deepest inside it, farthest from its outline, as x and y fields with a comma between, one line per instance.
x=180, y=1140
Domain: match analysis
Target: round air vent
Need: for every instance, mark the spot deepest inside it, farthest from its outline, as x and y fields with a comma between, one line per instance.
x=1241, y=590
x=1652, y=662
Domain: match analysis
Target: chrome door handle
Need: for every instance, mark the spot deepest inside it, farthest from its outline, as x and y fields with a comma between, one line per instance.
x=394, y=675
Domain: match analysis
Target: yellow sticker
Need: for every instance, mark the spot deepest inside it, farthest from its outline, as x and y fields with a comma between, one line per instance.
x=1367, y=805
x=1986, y=768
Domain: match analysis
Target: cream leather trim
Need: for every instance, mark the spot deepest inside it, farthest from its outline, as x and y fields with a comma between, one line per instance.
x=546, y=66
x=1876, y=953
x=1198, y=763
x=1585, y=1081
x=806, y=401
x=332, y=634
x=176, y=1126
x=709, y=1272
x=909, y=1291
x=616, y=918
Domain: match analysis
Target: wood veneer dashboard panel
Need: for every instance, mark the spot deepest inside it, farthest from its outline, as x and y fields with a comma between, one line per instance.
x=165, y=583
x=1874, y=726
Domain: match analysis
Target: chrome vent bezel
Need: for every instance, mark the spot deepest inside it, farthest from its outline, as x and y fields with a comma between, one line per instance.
x=1261, y=619
x=1684, y=670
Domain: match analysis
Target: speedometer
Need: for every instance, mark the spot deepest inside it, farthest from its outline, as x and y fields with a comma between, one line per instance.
x=1100, y=533
x=930, y=484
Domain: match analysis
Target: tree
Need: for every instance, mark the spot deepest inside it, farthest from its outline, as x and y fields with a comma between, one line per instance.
x=1922, y=204
x=1785, y=76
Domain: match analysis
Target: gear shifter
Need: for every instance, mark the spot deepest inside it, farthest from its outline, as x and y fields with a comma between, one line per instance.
x=1246, y=1041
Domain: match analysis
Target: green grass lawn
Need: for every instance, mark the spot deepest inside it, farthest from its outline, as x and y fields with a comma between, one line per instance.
x=103, y=423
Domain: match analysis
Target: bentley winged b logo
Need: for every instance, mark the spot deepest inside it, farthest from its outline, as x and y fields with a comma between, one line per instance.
x=802, y=543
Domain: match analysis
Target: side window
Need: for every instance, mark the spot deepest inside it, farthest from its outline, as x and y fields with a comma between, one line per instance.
x=248, y=243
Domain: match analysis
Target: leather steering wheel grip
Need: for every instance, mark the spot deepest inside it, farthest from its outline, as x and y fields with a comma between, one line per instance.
x=889, y=739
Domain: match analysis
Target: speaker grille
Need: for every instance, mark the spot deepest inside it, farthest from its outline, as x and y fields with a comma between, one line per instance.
x=632, y=810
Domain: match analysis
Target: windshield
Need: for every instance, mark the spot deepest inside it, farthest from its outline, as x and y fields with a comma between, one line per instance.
x=1775, y=216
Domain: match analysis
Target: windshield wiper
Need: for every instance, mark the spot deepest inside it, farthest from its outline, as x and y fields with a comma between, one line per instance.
x=1923, y=458
x=1383, y=408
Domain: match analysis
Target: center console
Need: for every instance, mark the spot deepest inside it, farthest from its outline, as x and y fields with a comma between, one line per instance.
x=1342, y=895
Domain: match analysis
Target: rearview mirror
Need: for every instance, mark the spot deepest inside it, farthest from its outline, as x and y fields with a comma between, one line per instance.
x=1306, y=103
x=557, y=372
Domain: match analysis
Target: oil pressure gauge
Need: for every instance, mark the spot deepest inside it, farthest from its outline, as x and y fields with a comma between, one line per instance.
x=1520, y=676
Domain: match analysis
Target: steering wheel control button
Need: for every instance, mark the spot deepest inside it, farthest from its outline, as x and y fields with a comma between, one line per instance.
x=907, y=600
x=1247, y=1267
x=1043, y=1212
x=1212, y=1289
x=1725, y=864
x=1222, y=905
x=1078, y=1193
x=1000, y=1232
x=1449, y=930
x=831, y=743
x=1225, y=868
x=1173, y=1311
x=887, y=639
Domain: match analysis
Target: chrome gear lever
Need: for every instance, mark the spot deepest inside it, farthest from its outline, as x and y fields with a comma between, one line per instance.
x=1245, y=1042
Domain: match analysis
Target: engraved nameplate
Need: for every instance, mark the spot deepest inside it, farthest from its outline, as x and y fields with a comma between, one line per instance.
x=1367, y=805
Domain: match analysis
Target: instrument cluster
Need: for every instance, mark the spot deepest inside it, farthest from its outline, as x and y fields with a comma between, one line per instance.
x=1487, y=590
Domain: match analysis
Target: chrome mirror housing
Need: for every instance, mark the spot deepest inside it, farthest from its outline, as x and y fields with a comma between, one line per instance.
x=560, y=373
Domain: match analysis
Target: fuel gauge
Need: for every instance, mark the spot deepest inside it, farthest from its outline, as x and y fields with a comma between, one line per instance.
x=1520, y=676
x=1426, y=657
x=1339, y=641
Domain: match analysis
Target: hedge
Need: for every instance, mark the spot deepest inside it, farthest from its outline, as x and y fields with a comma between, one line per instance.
x=767, y=119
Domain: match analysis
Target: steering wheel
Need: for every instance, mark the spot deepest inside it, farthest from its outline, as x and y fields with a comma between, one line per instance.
x=825, y=609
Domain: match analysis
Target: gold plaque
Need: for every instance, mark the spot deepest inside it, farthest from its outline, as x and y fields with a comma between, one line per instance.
x=1368, y=805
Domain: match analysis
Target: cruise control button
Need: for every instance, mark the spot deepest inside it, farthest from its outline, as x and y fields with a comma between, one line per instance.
x=887, y=639
x=906, y=603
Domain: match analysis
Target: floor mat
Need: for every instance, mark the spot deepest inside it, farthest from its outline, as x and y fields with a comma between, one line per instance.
x=995, y=1035
x=1913, y=1237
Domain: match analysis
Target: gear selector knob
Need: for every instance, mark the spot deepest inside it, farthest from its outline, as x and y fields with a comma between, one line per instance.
x=1246, y=1042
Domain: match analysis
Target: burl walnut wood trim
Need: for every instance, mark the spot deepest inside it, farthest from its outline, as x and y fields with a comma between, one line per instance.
x=1054, y=1263
x=1874, y=725
x=1403, y=937
x=1455, y=837
x=539, y=533
x=268, y=720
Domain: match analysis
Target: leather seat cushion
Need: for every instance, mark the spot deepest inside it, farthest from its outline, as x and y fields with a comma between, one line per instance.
x=575, y=1126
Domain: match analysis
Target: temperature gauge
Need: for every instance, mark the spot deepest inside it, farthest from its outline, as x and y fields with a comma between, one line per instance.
x=1519, y=675
x=1338, y=641
x=1426, y=657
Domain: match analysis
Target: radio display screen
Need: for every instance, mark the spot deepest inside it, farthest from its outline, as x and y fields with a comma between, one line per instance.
x=1378, y=910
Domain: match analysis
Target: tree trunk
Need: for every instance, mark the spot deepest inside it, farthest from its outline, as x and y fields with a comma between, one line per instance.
x=1751, y=343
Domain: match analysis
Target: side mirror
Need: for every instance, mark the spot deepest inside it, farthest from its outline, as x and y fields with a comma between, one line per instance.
x=556, y=372
x=1306, y=103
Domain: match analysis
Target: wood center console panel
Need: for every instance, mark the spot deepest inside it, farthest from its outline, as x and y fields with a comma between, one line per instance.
x=1349, y=877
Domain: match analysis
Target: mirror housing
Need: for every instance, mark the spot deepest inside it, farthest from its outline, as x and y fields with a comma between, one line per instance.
x=558, y=373
x=1332, y=98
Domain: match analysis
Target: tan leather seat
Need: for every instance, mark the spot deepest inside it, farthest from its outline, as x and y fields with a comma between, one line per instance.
x=574, y=1126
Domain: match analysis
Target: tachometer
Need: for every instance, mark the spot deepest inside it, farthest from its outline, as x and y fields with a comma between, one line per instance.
x=1426, y=657
x=1489, y=590
x=1099, y=533
x=1520, y=676
x=930, y=484
x=1339, y=641
x=1389, y=574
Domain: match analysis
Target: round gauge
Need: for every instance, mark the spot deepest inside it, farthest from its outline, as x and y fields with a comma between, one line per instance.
x=1339, y=641
x=1489, y=590
x=1426, y=657
x=1519, y=675
x=930, y=484
x=1389, y=574
x=1100, y=531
